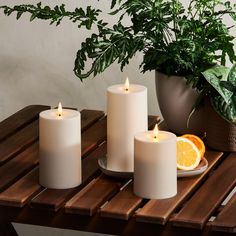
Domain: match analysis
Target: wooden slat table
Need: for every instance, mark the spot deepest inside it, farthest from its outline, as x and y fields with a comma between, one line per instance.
x=103, y=204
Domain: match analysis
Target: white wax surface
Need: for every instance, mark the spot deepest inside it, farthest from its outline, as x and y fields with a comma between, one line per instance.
x=148, y=136
x=60, y=149
x=126, y=116
x=52, y=114
x=155, y=170
x=120, y=89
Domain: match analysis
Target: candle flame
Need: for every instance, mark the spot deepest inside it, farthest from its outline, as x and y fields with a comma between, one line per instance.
x=59, y=109
x=155, y=132
x=127, y=84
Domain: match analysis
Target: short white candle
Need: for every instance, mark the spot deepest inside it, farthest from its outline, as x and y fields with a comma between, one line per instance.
x=155, y=171
x=126, y=116
x=60, y=148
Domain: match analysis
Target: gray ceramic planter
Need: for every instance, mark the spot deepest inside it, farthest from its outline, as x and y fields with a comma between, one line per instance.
x=175, y=100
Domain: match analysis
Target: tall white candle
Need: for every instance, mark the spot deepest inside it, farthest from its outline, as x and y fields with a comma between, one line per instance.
x=126, y=116
x=60, y=148
x=155, y=171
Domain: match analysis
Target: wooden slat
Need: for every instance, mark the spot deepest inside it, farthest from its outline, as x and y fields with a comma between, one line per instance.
x=17, y=167
x=28, y=159
x=53, y=199
x=20, y=192
x=122, y=205
x=91, y=138
x=206, y=200
x=88, y=200
x=29, y=134
x=226, y=219
x=89, y=117
x=18, y=142
x=20, y=119
x=94, y=136
x=159, y=211
x=128, y=208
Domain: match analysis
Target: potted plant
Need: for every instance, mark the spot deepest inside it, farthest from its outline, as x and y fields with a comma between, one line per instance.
x=178, y=43
x=221, y=108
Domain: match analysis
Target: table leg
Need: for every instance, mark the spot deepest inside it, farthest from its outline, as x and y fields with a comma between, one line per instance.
x=6, y=229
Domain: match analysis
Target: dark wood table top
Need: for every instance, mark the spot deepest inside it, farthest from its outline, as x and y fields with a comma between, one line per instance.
x=103, y=204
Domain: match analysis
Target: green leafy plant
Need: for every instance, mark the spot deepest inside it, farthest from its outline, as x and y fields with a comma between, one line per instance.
x=223, y=91
x=174, y=40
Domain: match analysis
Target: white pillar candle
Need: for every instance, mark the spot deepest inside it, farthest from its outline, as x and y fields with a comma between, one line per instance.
x=155, y=171
x=59, y=148
x=126, y=116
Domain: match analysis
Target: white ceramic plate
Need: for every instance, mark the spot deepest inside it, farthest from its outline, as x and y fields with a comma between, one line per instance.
x=197, y=171
x=102, y=162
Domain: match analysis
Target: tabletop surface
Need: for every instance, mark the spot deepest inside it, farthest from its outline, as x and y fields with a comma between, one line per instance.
x=104, y=204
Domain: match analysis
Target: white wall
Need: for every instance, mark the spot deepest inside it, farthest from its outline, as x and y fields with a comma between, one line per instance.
x=36, y=65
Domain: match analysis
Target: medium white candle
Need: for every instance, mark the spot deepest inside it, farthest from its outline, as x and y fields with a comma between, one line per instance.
x=126, y=116
x=155, y=171
x=60, y=148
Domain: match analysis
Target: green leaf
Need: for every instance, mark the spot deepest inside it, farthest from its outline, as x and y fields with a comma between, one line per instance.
x=113, y=3
x=232, y=75
x=227, y=85
x=215, y=76
x=62, y=8
x=19, y=14
x=225, y=110
x=33, y=16
x=114, y=12
x=39, y=5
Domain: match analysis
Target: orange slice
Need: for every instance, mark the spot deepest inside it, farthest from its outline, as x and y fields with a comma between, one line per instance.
x=188, y=155
x=197, y=141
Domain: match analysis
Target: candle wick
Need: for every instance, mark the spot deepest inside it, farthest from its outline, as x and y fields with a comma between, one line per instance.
x=126, y=89
x=59, y=114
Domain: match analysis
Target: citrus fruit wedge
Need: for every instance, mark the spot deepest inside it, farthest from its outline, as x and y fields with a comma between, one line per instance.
x=188, y=155
x=197, y=141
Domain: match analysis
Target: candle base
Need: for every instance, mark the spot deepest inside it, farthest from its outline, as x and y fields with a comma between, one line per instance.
x=52, y=186
x=59, y=171
x=155, y=196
